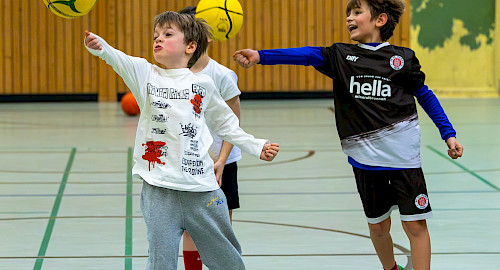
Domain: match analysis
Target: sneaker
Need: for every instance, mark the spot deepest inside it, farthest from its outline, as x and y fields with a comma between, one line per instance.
x=400, y=267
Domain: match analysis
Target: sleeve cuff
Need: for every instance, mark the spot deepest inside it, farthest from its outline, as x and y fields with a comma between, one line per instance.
x=261, y=55
x=92, y=51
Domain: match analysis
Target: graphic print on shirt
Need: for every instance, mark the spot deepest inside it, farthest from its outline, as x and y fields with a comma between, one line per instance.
x=188, y=130
x=370, y=87
x=160, y=131
x=196, y=101
x=193, y=149
x=159, y=118
x=192, y=166
x=154, y=150
x=168, y=93
x=199, y=92
x=160, y=105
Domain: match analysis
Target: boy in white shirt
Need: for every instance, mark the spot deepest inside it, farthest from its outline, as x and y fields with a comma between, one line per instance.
x=222, y=152
x=180, y=191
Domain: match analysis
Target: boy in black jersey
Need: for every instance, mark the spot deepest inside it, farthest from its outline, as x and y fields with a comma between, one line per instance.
x=375, y=85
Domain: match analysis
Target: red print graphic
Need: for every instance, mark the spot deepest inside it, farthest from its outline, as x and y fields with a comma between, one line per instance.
x=153, y=152
x=196, y=101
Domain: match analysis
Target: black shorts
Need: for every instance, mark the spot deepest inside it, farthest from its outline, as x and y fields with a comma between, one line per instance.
x=383, y=191
x=230, y=185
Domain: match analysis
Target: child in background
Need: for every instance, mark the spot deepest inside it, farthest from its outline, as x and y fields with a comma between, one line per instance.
x=375, y=85
x=180, y=191
x=222, y=152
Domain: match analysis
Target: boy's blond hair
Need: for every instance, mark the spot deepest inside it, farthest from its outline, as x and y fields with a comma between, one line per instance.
x=393, y=8
x=194, y=29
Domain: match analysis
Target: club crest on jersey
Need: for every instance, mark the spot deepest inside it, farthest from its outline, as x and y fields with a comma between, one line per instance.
x=397, y=62
x=421, y=201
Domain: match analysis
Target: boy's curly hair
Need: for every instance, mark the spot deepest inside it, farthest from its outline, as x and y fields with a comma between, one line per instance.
x=393, y=8
x=194, y=29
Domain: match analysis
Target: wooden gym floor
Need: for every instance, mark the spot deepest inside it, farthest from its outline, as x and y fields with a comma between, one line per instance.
x=67, y=202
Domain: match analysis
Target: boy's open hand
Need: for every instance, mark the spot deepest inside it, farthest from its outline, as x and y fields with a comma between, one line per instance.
x=269, y=151
x=246, y=57
x=92, y=42
x=218, y=169
x=455, y=149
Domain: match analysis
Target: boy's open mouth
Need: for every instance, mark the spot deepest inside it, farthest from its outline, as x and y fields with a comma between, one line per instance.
x=352, y=27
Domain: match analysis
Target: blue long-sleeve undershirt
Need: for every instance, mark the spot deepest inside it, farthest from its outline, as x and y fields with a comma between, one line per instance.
x=313, y=56
x=303, y=56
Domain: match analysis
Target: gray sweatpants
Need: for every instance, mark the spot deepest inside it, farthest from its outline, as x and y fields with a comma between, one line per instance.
x=204, y=215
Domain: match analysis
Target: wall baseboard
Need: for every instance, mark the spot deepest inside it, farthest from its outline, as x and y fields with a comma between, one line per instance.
x=93, y=97
x=48, y=98
x=287, y=95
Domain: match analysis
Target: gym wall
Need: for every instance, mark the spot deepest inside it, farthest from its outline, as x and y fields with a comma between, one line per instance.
x=42, y=55
x=458, y=46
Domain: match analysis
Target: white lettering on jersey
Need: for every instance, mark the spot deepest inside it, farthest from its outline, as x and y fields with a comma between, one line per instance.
x=352, y=58
x=374, y=89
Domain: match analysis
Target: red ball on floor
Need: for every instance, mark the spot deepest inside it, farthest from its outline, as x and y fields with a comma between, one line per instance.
x=129, y=105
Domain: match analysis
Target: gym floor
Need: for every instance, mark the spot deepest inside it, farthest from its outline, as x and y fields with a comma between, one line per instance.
x=68, y=202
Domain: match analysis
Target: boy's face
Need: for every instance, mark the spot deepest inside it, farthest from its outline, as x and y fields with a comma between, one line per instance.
x=169, y=48
x=361, y=27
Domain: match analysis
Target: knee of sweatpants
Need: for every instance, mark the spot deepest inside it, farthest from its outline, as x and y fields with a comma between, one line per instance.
x=162, y=254
x=241, y=266
x=237, y=264
x=161, y=262
x=224, y=262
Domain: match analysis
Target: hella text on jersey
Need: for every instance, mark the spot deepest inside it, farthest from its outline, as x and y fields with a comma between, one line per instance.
x=371, y=87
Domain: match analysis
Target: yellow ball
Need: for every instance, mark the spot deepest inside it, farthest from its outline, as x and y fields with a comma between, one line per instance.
x=71, y=8
x=225, y=17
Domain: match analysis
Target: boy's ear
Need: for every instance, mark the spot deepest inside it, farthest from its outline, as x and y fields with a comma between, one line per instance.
x=191, y=47
x=381, y=20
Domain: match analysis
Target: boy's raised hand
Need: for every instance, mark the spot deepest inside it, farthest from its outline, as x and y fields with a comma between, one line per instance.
x=455, y=149
x=92, y=42
x=246, y=57
x=269, y=151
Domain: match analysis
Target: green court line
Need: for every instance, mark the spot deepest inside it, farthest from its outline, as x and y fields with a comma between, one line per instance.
x=53, y=214
x=128, y=219
x=464, y=168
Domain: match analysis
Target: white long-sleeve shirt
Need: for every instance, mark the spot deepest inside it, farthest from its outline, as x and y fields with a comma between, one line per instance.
x=177, y=109
x=226, y=83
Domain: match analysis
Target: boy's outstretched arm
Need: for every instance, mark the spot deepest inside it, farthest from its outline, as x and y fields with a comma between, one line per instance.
x=133, y=70
x=455, y=149
x=269, y=151
x=246, y=57
x=302, y=56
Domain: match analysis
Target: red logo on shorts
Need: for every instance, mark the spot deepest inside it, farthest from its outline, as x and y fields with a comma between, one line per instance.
x=422, y=201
